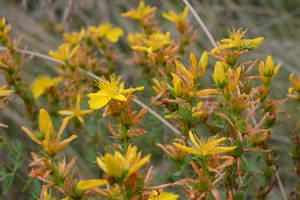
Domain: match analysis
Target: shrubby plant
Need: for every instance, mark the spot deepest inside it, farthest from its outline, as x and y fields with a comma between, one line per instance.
x=223, y=131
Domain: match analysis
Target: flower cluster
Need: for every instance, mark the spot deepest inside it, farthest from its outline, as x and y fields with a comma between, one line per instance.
x=222, y=114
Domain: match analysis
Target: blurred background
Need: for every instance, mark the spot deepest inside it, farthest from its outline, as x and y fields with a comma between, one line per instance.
x=41, y=24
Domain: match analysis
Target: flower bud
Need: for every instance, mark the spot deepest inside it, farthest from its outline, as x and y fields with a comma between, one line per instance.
x=219, y=75
x=177, y=84
x=203, y=63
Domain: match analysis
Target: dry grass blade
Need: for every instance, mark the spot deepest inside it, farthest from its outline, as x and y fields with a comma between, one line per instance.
x=201, y=23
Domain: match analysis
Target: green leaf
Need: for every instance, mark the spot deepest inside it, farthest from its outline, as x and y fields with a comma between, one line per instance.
x=255, y=163
x=245, y=164
x=4, y=175
x=3, y=145
x=36, y=185
x=239, y=196
x=8, y=184
x=19, y=162
x=242, y=125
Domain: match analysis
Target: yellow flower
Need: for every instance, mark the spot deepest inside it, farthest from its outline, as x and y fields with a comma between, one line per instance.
x=159, y=86
x=119, y=166
x=155, y=42
x=106, y=30
x=74, y=38
x=201, y=148
x=42, y=83
x=75, y=112
x=233, y=82
x=219, y=75
x=295, y=83
x=268, y=71
x=48, y=196
x=176, y=18
x=4, y=29
x=196, y=111
x=51, y=143
x=59, y=27
x=225, y=78
x=163, y=196
x=4, y=92
x=141, y=12
x=199, y=69
x=109, y=90
x=64, y=52
x=116, y=166
x=238, y=42
x=177, y=85
x=136, y=38
x=2, y=23
x=184, y=82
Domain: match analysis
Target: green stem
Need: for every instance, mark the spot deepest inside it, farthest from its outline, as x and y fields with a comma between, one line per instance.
x=17, y=175
x=121, y=185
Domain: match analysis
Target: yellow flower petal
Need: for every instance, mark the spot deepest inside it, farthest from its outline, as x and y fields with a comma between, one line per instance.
x=65, y=142
x=141, y=12
x=203, y=63
x=41, y=83
x=84, y=112
x=193, y=63
x=45, y=123
x=186, y=149
x=38, y=88
x=104, y=29
x=56, y=80
x=217, y=141
x=65, y=112
x=139, y=48
x=277, y=69
x=113, y=166
x=119, y=97
x=97, y=101
x=114, y=34
x=4, y=92
x=89, y=184
x=32, y=135
x=185, y=12
x=192, y=138
x=206, y=92
x=79, y=118
x=131, y=90
x=168, y=196
x=163, y=196
x=139, y=165
x=269, y=65
x=101, y=164
x=62, y=128
x=219, y=75
x=170, y=16
x=177, y=84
